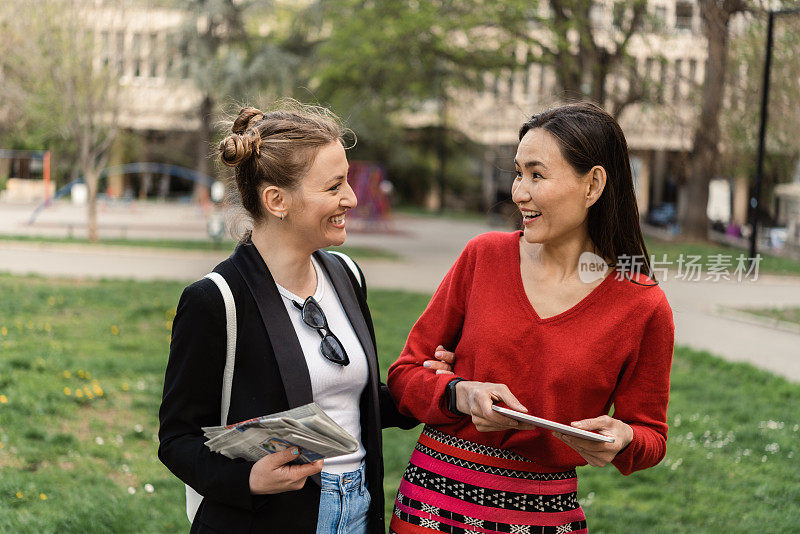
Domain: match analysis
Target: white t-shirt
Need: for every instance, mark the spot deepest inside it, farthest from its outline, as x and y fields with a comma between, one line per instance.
x=336, y=388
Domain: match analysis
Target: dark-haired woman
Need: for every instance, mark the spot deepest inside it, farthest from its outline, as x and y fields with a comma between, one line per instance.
x=291, y=175
x=533, y=329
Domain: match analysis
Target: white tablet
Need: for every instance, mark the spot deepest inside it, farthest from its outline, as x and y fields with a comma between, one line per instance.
x=552, y=425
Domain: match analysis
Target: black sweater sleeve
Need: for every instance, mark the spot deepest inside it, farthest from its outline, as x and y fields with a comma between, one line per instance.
x=192, y=399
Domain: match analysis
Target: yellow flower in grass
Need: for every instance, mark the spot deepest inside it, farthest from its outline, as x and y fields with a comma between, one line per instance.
x=43, y=496
x=4, y=331
x=78, y=393
x=66, y=374
x=88, y=375
x=87, y=392
x=67, y=392
x=81, y=374
x=51, y=301
x=97, y=389
x=114, y=329
x=125, y=386
x=3, y=399
x=19, y=495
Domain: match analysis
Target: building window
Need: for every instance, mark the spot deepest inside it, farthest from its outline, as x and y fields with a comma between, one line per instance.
x=677, y=94
x=526, y=73
x=649, y=69
x=619, y=14
x=121, y=53
x=659, y=18
x=170, y=53
x=182, y=58
x=684, y=14
x=105, y=48
x=692, y=71
x=136, y=52
x=154, y=54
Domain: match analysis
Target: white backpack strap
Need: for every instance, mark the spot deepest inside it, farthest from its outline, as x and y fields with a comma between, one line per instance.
x=193, y=499
x=230, y=358
x=351, y=264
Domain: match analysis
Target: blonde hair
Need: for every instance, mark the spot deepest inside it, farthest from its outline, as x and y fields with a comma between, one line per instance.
x=276, y=147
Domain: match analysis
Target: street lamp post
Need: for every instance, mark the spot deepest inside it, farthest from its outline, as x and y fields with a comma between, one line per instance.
x=762, y=130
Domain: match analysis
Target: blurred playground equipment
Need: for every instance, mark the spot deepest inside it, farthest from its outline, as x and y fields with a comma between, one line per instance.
x=77, y=187
x=19, y=173
x=374, y=211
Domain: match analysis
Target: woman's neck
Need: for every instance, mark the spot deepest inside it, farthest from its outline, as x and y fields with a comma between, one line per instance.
x=289, y=264
x=558, y=259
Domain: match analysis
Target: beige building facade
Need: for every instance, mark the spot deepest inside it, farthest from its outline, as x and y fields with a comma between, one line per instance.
x=161, y=102
x=670, y=54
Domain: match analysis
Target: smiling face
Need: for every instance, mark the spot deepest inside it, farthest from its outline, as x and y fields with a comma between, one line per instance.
x=549, y=192
x=318, y=206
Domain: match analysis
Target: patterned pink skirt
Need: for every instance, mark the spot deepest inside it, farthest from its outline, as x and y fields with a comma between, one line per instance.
x=457, y=486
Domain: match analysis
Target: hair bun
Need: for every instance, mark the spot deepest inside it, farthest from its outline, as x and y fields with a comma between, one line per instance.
x=242, y=122
x=236, y=148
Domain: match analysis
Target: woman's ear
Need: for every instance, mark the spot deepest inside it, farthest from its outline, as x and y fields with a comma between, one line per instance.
x=275, y=201
x=595, y=184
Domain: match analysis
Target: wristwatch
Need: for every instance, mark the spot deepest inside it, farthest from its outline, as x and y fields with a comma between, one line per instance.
x=450, y=397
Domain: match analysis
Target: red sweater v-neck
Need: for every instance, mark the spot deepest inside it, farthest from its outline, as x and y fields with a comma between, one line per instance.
x=612, y=348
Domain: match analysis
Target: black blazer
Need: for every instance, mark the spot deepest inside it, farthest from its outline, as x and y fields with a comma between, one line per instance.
x=270, y=375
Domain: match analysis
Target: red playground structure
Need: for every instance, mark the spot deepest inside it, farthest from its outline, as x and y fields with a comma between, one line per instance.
x=374, y=212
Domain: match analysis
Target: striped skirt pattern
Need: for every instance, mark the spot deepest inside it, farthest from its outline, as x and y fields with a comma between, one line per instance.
x=458, y=486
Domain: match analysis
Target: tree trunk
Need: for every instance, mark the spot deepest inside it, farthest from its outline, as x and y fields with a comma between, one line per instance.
x=601, y=70
x=442, y=153
x=92, y=181
x=204, y=139
x=705, y=151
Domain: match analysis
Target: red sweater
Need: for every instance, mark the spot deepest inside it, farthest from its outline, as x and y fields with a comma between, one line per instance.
x=612, y=348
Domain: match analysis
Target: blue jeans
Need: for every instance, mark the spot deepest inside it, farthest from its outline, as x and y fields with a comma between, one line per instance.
x=343, y=503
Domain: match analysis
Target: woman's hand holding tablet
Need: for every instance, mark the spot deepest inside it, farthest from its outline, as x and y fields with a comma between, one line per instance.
x=596, y=448
x=552, y=425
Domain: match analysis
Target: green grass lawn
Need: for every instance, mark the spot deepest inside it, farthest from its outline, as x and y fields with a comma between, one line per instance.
x=73, y=462
x=185, y=244
x=786, y=315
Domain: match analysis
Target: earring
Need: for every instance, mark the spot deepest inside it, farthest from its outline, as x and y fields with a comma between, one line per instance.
x=281, y=215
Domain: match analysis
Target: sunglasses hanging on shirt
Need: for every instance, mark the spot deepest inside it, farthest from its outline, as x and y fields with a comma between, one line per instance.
x=313, y=316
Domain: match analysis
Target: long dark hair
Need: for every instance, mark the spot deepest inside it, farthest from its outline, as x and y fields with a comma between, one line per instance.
x=589, y=136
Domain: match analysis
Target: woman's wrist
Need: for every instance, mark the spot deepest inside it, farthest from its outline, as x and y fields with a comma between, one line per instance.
x=628, y=437
x=462, y=403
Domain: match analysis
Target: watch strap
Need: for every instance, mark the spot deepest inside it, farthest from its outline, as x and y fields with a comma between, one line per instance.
x=450, y=397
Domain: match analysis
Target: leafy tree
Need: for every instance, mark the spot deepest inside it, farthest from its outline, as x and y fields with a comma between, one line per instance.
x=741, y=114
x=54, y=79
x=704, y=157
x=572, y=38
x=229, y=55
x=386, y=63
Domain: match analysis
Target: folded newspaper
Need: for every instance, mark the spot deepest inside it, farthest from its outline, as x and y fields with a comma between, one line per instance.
x=306, y=427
